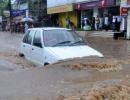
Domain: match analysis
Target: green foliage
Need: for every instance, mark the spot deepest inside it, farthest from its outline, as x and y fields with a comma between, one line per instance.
x=4, y=5
x=33, y=7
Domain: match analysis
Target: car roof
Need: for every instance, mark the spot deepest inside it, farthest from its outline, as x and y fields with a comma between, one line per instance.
x=49, y=28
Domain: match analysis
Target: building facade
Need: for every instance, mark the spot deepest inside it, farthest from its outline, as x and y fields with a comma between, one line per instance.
x=62, y=9
x=77, y=9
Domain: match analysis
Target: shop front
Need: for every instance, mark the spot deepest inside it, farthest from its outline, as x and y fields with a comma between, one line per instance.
x=72, y=17
x=62, y=13
x=98, y=7
x=101, y=6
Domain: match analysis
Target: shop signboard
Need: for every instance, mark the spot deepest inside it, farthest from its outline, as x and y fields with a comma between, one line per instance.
x=18, y=12
x=0, y=19
x=6, y=13
x=23, y=6
x=59, y=9
x=110, y=2
x=55, y=3
x=79, y=1
x=89, y=5
x=128, y=2
x=123, y=11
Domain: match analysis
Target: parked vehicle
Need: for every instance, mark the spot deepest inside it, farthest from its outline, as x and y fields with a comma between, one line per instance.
x=49, y=45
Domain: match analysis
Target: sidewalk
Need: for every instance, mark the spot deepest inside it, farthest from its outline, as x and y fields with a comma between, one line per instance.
x=83, y=33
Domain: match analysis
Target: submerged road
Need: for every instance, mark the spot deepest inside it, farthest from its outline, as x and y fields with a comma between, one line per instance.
x=20, y=80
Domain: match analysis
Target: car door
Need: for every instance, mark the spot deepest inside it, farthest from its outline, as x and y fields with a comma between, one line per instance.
x=27, y=43
x=37, y=52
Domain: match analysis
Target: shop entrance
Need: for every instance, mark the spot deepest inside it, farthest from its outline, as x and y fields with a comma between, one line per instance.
x=88, y=13
x=114, y=11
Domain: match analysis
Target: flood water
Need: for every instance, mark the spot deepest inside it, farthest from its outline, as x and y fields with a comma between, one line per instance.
x=115, y=52
x=110, y=47
x=21, y=80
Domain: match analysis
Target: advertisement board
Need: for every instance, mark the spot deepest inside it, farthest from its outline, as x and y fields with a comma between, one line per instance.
x=59, y=9
x=123, y=11
x=18, y=12
x=23, y=6
x=128, y=2
x=85, y=0
x=55, y=3
x=6, y=13
x=0, y=19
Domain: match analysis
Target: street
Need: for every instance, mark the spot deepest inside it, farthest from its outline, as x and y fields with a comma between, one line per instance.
x=22, y=80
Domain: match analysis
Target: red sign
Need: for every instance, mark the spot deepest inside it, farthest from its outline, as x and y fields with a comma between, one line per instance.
x=78, y=6
x=123, y=11
x=128, y=2
x=103, y=2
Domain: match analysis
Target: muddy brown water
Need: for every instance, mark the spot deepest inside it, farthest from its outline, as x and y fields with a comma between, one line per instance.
x=113, y=50
x=47, y=83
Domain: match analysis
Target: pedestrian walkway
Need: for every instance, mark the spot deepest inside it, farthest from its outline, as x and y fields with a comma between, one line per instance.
x=96, y=33
x=100, y=34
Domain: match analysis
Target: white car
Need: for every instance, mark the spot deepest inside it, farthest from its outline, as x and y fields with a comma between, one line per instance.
x=44, y=46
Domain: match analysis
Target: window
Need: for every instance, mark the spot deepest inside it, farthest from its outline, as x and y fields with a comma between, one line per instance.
x=37, y=39
x=28, y=37
x=53, y=37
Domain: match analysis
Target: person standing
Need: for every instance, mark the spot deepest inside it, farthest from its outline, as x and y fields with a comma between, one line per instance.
x=106, y=23
x=67, y=23
x=110, y=18
x=114, y=23
x=97, y=22
x=101, y=23
x=93, y=23
x=72, y=25
x=119, y=23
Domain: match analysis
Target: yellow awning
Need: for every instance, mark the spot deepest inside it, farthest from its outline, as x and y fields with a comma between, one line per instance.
x=60, y=9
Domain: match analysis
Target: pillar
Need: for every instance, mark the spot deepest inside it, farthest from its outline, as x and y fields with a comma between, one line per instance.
x=128, y=26
x=95, y=12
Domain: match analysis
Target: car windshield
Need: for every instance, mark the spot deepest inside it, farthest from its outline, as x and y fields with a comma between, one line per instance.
x=60, y=37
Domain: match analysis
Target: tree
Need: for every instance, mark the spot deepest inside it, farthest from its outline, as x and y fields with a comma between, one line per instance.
x=4, y=5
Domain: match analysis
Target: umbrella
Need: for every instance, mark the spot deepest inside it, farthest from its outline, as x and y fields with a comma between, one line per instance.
x=27, y=20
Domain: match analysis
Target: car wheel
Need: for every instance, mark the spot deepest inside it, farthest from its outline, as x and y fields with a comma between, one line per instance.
x=45, y=64
x=21, y=54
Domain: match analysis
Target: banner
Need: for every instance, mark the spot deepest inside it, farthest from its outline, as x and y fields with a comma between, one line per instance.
x=123, y=11
x=18, y=12
x=128, y=2
x=59, y=9
x=55, y=3
x=6, y=13
x=78, y=1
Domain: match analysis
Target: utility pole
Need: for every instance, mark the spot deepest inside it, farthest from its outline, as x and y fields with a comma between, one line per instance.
x=27, y=16
x=10, y=9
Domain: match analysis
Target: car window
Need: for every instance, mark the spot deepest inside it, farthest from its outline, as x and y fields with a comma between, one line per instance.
x=37, y=39
x=60, y=37
x=28, y=37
